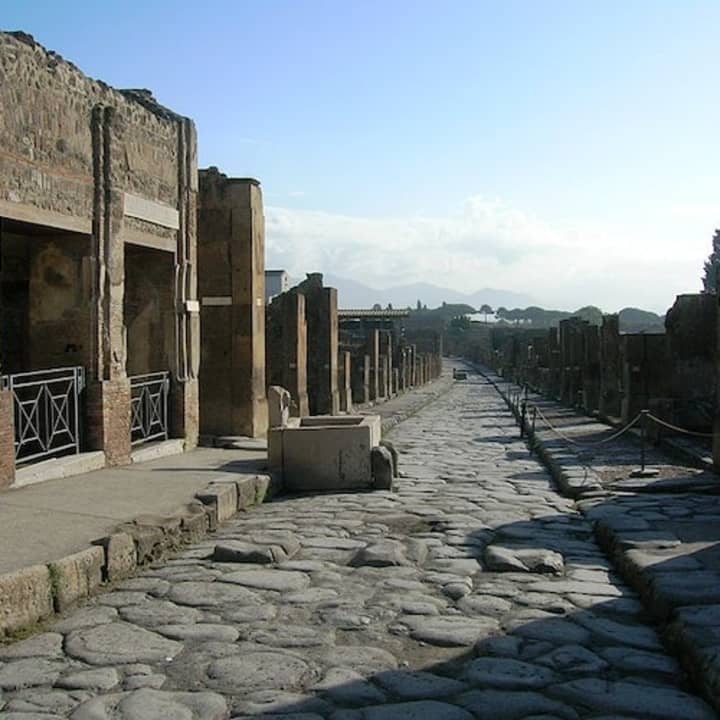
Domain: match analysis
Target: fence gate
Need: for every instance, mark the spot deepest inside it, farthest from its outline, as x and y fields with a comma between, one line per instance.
x=149, y=404
x=46, y=405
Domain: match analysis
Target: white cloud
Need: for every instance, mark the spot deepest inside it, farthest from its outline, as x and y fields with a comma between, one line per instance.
x=489, y=244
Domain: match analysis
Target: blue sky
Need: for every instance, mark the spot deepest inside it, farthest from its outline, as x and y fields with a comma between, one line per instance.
x=564, y=149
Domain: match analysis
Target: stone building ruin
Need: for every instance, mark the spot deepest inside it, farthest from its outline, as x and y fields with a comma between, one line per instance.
x=114, y=252
x=98, y=290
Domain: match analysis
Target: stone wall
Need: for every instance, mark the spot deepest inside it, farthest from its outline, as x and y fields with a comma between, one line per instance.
x=87, y=171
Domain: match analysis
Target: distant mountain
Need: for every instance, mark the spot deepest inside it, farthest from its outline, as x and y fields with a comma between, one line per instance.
x=634, y=320
x=352, y=294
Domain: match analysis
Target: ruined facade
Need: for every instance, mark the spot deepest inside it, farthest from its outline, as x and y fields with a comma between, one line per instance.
x=615, y=375
x=98, y=261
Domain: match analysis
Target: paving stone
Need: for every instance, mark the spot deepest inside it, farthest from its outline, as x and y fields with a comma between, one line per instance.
x=279, y=580
x=554, y=630
x=210, y=594
x=86, y=617
x=46, y=645
x=450, y=630
x=100, y=679
x=159, y=612
x=516, y=705
x=199, y=632
x=54, y=702
x=648, y=701
x=609, y=630
x=382, y=554
x=148, y=704
x=484, y=605
x=364, y=660
x=348, y=687
x=508, y=673
x=29, y=672
x=117, y=643
x=250, y=613
x=417, y=710
x=499, y=558
x=258, y=671
x=416, y=685
x=264, y=702
x=292, y=636
x=573, y=659
x=638, y=661
x=310, y=595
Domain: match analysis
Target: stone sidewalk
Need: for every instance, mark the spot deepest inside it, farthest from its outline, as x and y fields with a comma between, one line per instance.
x=474, y=590
x=663, y=532
x=62, y=538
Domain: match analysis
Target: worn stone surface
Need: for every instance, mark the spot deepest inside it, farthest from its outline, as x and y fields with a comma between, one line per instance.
x=421, y=628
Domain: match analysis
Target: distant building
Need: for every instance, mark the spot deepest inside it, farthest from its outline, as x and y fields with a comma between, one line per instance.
x=276, y=282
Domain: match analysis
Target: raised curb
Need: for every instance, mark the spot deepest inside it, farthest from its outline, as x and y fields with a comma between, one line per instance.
x=660, y=590
x=33, y=594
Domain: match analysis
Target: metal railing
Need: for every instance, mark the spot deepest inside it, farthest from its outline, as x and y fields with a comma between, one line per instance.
x=149, y=407
x=46, y=406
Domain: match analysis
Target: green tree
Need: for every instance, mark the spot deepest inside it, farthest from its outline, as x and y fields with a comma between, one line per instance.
x=712, y=266
x=486, y=310
x=419, y=305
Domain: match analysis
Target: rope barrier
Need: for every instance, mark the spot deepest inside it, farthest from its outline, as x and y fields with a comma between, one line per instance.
x=670, y=426
x=596, y=443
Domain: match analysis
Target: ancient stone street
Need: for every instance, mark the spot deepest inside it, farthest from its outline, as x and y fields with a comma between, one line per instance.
x=474, y=591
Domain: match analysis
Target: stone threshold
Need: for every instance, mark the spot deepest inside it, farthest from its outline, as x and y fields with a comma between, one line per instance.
x=677, y=593
x=59, y=467
x=155, y=450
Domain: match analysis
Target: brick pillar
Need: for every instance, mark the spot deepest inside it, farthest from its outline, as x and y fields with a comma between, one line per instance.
x=395, y=381
x=286, y=348
x=107, y=409
x=231, y=257
x=7, y=440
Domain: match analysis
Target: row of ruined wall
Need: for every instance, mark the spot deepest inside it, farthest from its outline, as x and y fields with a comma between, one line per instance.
x=115, y=251
x=612, y=374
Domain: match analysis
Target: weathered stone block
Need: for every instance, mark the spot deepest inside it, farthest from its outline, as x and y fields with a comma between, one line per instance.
x=224, y=496
x=120, y=556
x=76, y=577
x=327, y=452
x=25, y=597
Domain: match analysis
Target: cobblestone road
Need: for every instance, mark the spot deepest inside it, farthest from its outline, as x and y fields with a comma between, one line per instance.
x=474, y=591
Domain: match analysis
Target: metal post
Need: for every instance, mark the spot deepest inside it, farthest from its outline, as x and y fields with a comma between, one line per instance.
x=643, y=434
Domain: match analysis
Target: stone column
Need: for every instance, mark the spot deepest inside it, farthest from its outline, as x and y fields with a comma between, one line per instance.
x=344, y=381
x=107, y=391
x=7, y=440
x=373, y=350
x=286, y=348
x=395, y=381
x=231, y=256
x=360, y=379
x=322, y=331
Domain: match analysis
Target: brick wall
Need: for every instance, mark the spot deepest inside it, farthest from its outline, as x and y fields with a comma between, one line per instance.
x=107, y=412
x=7, y=440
